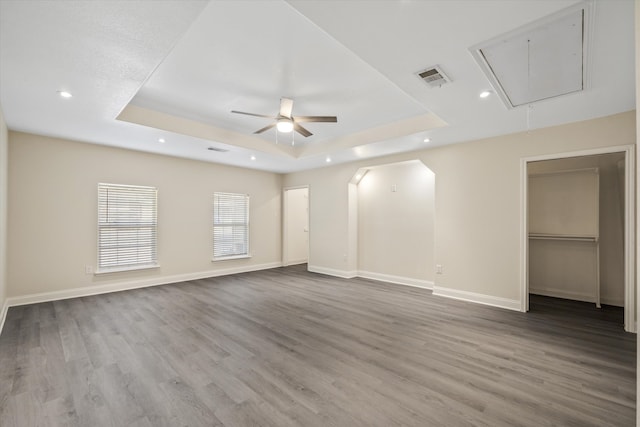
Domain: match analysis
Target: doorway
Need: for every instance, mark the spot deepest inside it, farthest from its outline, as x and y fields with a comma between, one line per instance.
x=577, y=228
x=295, y=242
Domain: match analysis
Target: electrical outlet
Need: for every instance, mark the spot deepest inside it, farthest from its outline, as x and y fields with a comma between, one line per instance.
x=88, y=269
x=438, y=268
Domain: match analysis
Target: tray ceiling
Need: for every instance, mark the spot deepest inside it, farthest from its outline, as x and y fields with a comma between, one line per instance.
x=141, y=72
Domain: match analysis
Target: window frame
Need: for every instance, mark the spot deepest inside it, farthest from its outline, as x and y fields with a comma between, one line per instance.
x=152, y=226
x=246, y=224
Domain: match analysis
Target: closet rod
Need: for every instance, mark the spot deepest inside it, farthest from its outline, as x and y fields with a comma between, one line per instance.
x=538, y=236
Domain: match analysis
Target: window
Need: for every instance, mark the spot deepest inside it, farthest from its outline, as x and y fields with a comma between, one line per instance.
x=230, y=225
x=127, y=227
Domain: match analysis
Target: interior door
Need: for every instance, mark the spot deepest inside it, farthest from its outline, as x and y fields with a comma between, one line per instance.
x=296, y=242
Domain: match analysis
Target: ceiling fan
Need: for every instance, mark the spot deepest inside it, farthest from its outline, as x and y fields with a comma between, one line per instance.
x=285, y=122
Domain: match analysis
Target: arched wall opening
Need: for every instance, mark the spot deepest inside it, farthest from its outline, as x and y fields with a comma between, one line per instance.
x=392, y=223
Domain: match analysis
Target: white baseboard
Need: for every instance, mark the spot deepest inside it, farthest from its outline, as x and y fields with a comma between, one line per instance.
x=509, y=304
x=345, y=274
x=576, y=296
x=616, y=302
x=3, y=314
x=400, y=280
x=135, y=284
x=295, y=262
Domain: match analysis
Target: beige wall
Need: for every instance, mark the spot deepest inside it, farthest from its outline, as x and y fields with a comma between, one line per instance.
x=3, y=214
x=477, y=234
x=396, y=228
x=328, y=215
x=352, y=227
x=53, y=213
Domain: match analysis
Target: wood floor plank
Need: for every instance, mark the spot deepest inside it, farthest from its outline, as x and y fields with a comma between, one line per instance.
x=285, y=347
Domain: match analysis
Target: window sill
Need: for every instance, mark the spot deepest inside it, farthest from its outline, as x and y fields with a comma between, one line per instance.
x=128, y=268
x=226, y=258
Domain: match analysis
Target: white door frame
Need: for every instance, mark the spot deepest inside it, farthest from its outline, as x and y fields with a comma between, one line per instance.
x=285, y=212
x=629, y=226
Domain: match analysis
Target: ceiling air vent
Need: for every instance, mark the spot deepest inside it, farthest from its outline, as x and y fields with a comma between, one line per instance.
x=433, y=76
x=219, y=150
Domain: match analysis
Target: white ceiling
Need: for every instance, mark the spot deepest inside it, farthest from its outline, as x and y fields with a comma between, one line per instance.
x=144, y=70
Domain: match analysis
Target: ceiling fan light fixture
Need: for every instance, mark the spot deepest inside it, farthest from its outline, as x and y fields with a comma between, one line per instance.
x=284, y=125
x=284, y=122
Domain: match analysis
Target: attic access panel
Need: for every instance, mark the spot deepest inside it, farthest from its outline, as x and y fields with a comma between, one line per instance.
x=543, y=60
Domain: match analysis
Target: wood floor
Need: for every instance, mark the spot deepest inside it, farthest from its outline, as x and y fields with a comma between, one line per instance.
x=285, y=347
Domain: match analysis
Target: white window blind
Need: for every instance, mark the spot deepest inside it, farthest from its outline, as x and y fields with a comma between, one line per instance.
x=127, y=227
x=230, y=225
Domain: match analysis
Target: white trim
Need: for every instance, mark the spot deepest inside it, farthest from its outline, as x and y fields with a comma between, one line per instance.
x=400, y=280
x=3, y=315
x=230, y=257
x=509, y=304
x=295, y=187
x=524, y=237
x=295, y=262
x=630, y=284
x=345, y=274
x=134, y=284
x=580, y=153
x=629, y=224
x=101, y=271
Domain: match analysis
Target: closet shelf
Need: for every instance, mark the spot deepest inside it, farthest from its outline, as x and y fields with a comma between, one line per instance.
x=576, y=238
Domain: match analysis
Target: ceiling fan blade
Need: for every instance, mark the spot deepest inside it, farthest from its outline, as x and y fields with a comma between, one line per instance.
x=286, y=107
x=326, y=119
x=266, y=128
x=252, y=114
x=302, y=131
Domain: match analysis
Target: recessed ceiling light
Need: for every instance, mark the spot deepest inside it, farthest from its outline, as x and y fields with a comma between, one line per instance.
x=485, y=94
x=161, y=140
x=358, y=176
x=253, y=157
x=426, y=140
x=328, y=159
x=64, y=94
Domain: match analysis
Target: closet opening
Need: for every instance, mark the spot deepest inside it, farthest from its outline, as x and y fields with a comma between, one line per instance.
x=578, y=232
